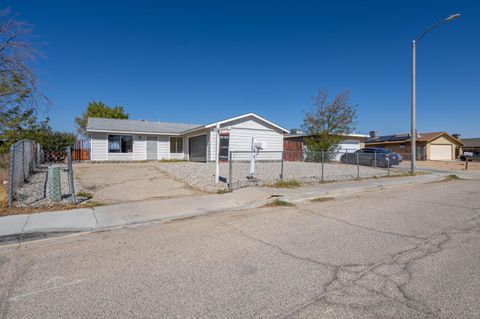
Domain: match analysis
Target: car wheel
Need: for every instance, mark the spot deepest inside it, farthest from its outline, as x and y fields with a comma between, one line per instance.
x=374, y=162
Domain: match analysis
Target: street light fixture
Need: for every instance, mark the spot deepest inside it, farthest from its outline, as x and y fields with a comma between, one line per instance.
x=413, y=133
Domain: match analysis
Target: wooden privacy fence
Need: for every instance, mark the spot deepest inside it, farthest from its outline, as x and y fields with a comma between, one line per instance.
x=81, y=150
x=293, y=149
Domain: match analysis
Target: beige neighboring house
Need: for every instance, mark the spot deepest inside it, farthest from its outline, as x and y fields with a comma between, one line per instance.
x=430, y=146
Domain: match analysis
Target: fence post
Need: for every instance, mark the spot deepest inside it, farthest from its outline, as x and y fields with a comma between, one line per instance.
x=54, y=183
x=11, y=167
x=388, y=166
x=358, y=166
x=281, y=169
x=323, y=160
x=230, y=167
x=23, y=161
x=346, y=156
x=375, y=159
x=71, y=184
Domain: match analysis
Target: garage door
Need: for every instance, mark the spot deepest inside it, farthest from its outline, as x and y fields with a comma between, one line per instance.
x=197, y=148
x=347, y=146
x=440, y=152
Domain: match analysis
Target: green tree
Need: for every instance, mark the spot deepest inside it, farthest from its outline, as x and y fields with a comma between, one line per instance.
x=18, y=123
x=55, y=140
x=329, y=120
x=98, y=109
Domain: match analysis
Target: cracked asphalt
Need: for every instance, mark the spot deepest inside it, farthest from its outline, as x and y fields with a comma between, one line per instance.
x=412, y=252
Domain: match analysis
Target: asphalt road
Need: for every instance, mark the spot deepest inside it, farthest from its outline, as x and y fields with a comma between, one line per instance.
x=406, y=253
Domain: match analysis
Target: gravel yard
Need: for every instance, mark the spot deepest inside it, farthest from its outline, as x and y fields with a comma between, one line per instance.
x=35, y=193
x=201, y=175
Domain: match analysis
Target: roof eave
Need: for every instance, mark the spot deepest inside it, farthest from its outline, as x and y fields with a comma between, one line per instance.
x=247, y=115
x=132, y=132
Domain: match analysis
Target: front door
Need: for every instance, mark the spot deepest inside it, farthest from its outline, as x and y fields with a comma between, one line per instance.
x=152, y=148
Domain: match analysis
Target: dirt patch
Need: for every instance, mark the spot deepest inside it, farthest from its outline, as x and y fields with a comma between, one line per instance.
x=50, y=208
x=449, y=165
x=3, y=181
x=123, y=182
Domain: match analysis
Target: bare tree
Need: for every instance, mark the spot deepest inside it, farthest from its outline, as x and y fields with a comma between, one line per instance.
x=18, y=84
x=329, y=120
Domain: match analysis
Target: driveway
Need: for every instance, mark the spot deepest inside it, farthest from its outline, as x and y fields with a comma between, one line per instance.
x=403, y=253
x=123, y=182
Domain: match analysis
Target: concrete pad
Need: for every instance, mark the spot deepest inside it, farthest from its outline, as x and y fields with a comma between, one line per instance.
x=62, y=221
x=12, y=225
x=140, y=212
x=250, y=195
x=114, y=183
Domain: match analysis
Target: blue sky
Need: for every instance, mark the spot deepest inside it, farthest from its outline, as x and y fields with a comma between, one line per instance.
x=203, y=60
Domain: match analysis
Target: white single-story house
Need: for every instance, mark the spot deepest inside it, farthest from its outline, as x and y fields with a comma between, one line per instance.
x=115, y=140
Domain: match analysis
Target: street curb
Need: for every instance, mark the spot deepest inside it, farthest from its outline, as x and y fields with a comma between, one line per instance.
x=42, y=234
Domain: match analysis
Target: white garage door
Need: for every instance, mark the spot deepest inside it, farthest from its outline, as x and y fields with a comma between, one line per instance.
x=347, y=146
x=440, y=152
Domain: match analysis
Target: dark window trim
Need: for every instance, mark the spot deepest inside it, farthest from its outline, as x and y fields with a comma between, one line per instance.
x=120, y=135
x=176, y=138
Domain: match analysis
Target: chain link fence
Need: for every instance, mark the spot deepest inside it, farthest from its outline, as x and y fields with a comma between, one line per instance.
x=248, y=168
x=38, y=177
x=22, y=163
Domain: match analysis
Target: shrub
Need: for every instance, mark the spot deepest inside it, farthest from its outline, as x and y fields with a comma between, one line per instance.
x=292, y=183
x=279, y=202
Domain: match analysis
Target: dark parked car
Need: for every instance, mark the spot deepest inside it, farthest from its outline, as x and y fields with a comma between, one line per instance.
x=373, y=157
x=472, y=156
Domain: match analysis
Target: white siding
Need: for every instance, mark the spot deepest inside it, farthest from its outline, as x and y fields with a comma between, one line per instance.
x=212, y=145
x=164, y=147
x=251, y=123
x=241, y=134
x=139, y=148
x=120, y=156
x=241, y=140
x=98, y=147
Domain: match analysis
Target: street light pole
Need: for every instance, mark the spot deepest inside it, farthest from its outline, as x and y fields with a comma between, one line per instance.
x=413, y=133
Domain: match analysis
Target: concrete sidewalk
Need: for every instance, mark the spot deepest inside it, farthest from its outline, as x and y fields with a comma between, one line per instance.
x=18, y=227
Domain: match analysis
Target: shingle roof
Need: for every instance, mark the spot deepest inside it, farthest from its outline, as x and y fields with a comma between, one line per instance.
x=102, y=124
x=471, y=142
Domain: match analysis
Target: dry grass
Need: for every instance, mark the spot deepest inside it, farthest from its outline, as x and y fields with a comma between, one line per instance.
x=3, y=197
x=322, y=199
x=279, y=202
x=453, y=177
x=3, y=180
x=292, y=183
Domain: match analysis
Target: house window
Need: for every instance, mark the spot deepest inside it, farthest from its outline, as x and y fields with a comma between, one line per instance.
x=176, y=144
x=120, y=144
